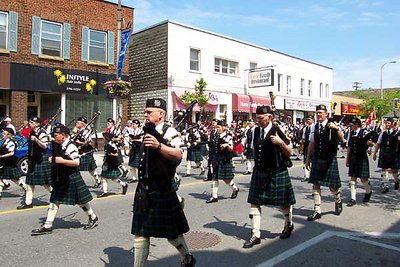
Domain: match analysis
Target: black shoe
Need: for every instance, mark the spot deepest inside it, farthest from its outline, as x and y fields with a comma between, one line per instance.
x=24, y=207
x=205, y=179
x=42, y=231
x=102, y=195
x=125, y=172
x=124, y=189
x=97, y=185
x=305, y=179
x=246, y=173
x=253, y=241
x=235, y=193
x=287, y=231
x=91, y=223
x=385, y=189
x=189, y=261
x=131, y=181
x=202, y=172
x=185, y=175
x=212, y=200
x=367, y=197
x=182, y=203
x=396, y=185
x=314, y=216
x=351, y=203
x=338, y=208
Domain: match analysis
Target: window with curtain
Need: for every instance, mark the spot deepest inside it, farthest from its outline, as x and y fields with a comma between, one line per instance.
x=226, y=67
x=51, y=39
x=97, y=46
x=194, y=59
x=3, y=30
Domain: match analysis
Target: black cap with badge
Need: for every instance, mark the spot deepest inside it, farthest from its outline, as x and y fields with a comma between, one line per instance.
x=264, y=110
x=82, y=119
x=61, y=129
x=321, y=107
x=36, y=119
x=156, y=103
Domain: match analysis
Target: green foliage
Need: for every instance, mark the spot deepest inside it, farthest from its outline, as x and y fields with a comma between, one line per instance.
x=374, y=102
x=198, y=95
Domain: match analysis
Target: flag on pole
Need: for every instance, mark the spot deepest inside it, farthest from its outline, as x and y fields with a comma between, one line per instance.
x=125, y=34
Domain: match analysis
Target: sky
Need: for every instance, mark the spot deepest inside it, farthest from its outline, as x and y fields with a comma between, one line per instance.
x=353, y=37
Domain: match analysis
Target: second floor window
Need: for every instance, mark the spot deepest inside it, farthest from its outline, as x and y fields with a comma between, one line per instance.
x=302, y=86
x=226, y=66
x=321, y=89
x=288, y=84
x=51, y=39
x=3, y=30
x=280, y=81
x=194, y=59
x=97, y=46
x=309, y=87
x=253, y=66
x=327, y=90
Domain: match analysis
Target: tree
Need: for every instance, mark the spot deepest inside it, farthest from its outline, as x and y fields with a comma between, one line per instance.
x=199, y=94
x=374, y=102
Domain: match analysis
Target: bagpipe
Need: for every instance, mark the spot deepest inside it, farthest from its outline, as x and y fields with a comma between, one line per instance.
x=81, y=137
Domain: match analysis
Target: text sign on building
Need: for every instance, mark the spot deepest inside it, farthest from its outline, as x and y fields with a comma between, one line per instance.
x=260, y=78
x=291, y=104
x=350, y=109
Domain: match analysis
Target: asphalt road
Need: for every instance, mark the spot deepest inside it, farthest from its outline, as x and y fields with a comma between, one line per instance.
x=364, y=235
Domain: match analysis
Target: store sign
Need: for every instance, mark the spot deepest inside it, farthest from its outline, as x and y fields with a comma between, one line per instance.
x=350, y=109
x=291, y=104
x=74, y=82
x=260, y=78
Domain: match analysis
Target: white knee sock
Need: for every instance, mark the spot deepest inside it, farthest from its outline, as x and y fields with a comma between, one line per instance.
x=88, y=210
x=188, y=166
x=51, y=215
x=248, y=166
x=385, y=178
x=134, y=170
x=141, y=248
x=29, y=194
x=367, y=187
x=317, y=200
x=95, y=175
x=104, y=184
x=214, y=187
x=288, y=215
x=121, y=182
x=353, y=189
x=233, y=185
x=255, y=217
x=181, y=246
x=48, y=188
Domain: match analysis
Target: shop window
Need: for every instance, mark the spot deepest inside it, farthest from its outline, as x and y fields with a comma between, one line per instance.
x=51, y=39
x=97, y=46
x=301, y=86
x=194, y=59
x=309, y=87
x=225, y=66
x=3, y=30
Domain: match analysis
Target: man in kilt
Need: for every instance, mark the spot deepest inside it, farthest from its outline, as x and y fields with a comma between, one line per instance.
x=8, y=161
x=212, y=150
x=223, y=163
x=110, y=169
x=38, y=165
x=322, y=150
x=306, y=141
x=248, y=146
x=68, y=185
x=135, y=137
x=270, y=182
x=157, y=212
x=359, y=140
x=387, y=145
x=83, y=141
x=193, y=151
x=118, y=140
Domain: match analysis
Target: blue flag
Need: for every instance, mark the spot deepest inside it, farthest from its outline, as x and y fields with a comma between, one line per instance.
x=125, y=34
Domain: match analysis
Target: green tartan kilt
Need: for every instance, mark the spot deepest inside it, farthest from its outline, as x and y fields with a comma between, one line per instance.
x=41, y=174
x=360, y=169
x=223, y=170
x=164, y=218
x=204, y=150
x=134, y=158
x=10, y=172
x=75, y=193
x=330, y=179
x=111, y=172
x=249, y=153
x=278, y=193
x=87, y=163
x=388, y=159
x=195, y=154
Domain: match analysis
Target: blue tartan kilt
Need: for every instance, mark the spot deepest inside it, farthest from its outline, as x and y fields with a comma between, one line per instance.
x=195, y=154
x=87, y=163
x=41, y=174
x=279, y=192
x=164, y=218
x=330, y=179
x=360, y=169
x=223, y=170
x=111, y=172
x=388, y=159
x=75, y=193
x=204, y=150
x=249, y=153
x=134, y=158
x=10, y=172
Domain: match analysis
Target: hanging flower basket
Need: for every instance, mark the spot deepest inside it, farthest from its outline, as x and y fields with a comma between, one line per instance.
x=118, y=88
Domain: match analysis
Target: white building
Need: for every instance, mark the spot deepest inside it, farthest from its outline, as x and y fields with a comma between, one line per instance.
x=167, y=59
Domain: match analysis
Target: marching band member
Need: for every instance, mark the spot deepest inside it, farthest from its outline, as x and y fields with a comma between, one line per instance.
x=110, y=168
x=270, y=182
x=193, y=151
x=157, y=212
x=69, y=187
x=306, y=141
x=83, y=141
x=8, y=160
x=38, y=165
x=135, y=136
x=223, y=167
x=248, y=146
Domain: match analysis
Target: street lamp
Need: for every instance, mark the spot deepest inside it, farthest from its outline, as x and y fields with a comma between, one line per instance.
x=389, y=62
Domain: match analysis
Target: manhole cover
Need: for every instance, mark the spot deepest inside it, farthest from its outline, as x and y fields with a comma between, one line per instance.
x=200, y=240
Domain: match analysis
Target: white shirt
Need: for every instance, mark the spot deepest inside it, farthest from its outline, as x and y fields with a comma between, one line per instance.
x=170, y=133
x=324, y=123
x=71, y=150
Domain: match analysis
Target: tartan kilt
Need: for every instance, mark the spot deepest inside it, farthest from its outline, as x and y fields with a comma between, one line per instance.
x=330, y=179
x=249, y=153
x=10, y=172
x=383, y=161
x=75, y=193
x=279, y=192
x=87, y=163
x=164, y=218
x=134, y=158
x=204, y=150
x=41, y=174
x=223, y=170
x=195, y=154
x=112, y=172
x=360, y=169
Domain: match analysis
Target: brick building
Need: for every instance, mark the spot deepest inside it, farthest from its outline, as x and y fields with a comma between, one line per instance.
x=58, y=54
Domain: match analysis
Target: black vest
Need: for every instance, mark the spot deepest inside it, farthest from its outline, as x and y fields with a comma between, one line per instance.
x=325, y=148
x=389, y=141
x=358, y=145
x=59, y=172
x=35, y=152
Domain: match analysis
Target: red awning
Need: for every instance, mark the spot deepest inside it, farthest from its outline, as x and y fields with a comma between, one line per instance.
x=178, y=105
x=258, y=101
x=240, y=103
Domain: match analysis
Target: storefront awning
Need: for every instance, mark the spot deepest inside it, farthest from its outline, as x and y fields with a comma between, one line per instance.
x=258, y=101
x=178, y=105
x=240, y=103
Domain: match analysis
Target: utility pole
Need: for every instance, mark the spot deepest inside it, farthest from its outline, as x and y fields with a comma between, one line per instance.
x=119, y=26
x=356, y=85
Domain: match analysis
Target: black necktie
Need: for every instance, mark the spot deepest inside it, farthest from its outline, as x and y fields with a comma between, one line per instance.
x=262, y=134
